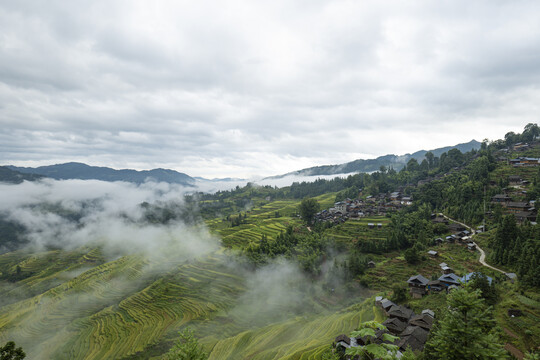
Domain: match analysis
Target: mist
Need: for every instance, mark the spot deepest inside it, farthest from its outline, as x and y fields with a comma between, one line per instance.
x=68, y=214
x=74, y=215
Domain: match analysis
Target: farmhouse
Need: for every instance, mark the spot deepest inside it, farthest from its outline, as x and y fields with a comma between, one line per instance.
x=394, y=325
x=456, y=228
x=425, y=321
x=400, y=312
x=414, y=337
x=517, y=206
x=450, y=279
x=501, y=198
x=514, y=179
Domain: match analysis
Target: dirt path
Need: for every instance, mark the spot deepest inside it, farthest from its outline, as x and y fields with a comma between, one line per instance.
x=482, y=253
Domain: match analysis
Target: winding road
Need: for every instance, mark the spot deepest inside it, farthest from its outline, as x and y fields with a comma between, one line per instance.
x=482, y=253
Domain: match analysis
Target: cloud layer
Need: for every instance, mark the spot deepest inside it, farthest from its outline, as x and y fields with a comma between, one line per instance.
x=247, y=88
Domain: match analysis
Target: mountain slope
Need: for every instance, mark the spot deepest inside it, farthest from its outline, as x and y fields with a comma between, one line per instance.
x=15, y=177
x=395, y=161
x=82, y=171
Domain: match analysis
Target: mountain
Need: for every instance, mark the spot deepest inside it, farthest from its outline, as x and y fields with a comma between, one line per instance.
x=15, y=177
x=82, y=171
x=395, y=161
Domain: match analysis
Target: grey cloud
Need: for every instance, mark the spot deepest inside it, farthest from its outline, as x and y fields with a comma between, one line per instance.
x=154, y=84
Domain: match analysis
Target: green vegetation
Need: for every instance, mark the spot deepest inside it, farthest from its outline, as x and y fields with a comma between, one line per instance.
x=10, y=352
x=282, y=286
x=187, y=348
x=466, y=330
x=372, y=350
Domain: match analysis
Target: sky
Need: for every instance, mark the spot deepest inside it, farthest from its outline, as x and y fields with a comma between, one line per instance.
x=257, y=88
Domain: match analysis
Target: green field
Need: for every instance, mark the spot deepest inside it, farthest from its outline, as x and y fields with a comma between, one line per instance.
x=80, y=304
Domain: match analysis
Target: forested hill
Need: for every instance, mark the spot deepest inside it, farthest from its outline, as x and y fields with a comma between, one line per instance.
x=82, y=171
x=397, y=162
x=15, y=177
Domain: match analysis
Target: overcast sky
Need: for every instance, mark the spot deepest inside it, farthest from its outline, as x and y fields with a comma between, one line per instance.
x=242, y=88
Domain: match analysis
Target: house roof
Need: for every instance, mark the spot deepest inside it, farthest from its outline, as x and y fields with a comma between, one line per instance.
x=450, y=278
x=425, y=321
x=428, y=312
x=418, y=279
x=344, y=338
x=386, y=304
x=400, y=311
x=432, y=252
x=468, y=277
x=413, y=336
x=395, y=325
x=517, y=204
x=443, y=264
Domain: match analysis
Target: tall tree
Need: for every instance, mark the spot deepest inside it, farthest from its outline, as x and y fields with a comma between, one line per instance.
x=308, y=208
x=466, y=330
x=187, y=348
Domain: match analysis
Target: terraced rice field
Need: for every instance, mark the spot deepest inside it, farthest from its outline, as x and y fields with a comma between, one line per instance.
x=80, y=305
x=299, y=338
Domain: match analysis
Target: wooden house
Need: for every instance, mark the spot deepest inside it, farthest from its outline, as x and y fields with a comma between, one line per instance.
x=450, y=279
x=414, y=337
x=501, y=198
x=400, y=312
x=424, y=321
x=517, y=206
x=395, y=326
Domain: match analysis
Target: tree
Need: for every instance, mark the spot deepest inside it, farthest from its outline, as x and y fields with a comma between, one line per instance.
x=466, y=330
x=187, y=348
x=429, y=157
x=10, y=352
x=399, y=294
x=308, y=208
x=411, y=255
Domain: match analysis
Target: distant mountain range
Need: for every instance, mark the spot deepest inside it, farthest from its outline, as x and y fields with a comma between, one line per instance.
x=74, y=170
x=15, y=177
x=82, y=171
x=395, y=161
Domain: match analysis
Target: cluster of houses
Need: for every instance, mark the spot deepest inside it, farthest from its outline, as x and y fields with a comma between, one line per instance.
x=460, y=234
x=412, y=329
x=358, y=208
x=420, y=286
x=522, y=210
x=524, y=161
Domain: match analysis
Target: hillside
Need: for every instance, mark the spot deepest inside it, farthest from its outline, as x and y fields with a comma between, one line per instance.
x=11, y=176
x=397, y=162
x=81, y=171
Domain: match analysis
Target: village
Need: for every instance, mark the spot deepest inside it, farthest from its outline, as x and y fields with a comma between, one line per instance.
x=356, y=209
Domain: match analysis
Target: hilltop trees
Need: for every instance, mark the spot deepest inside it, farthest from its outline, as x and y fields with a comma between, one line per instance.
x=308, y=208
x=466, y=330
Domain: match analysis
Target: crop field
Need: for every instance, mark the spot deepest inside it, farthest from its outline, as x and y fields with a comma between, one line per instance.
x=300, y=338
x=79, y=304
x=359, y=229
